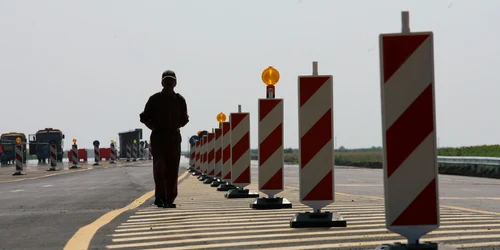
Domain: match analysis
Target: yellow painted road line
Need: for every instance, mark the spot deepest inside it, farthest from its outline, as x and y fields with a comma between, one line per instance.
x=81, y=239
x=472, y=210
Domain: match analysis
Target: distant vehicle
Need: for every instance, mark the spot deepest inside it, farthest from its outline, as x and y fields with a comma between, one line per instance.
x=8, y=149
x=39, y=144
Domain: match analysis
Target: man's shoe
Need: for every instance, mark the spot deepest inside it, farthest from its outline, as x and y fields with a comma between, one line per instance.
x=159, y=202
x=169, y=205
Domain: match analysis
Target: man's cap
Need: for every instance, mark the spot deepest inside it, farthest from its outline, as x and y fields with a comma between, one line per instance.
x=168, y=74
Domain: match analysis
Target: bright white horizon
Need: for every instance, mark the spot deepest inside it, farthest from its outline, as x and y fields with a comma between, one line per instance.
x=88, y=67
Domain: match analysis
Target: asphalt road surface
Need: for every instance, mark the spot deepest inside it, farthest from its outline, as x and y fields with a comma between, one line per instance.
x=46, y=213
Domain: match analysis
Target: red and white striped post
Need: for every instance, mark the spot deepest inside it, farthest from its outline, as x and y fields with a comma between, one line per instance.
x=53, y=157
x=134, y=151
x=316, y=156
x=240, y=155
x=141, y=150
x=204, y=162
x=226, y=158
x=197, y=151
x=218, y=157
x=97, y=153
x=409, y=132
x=74, y=155
x=210, y=158
x=192, y=156
x=271, y=155
x=19, y=157
x=128, y=152
x=113, y=152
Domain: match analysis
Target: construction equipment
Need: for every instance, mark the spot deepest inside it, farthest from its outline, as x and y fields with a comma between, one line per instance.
x=8, y=147
x=40, y=144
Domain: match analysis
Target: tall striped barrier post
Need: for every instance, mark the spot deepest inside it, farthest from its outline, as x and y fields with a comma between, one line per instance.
x=128, y=153
x=226, y=158
x=204, y=162
x=134, y=151
x=141, y=150
x=74, y=155
x=53, y=156
x=240, y=156
x=218, y=152
x=191, y=157
x=19, y=157
x=197, y=163
x=97, y=153
x=210, y=158
x=271, y=153
x=192, y=153
x=409, y=135
x=113, y=152
x=316, y=159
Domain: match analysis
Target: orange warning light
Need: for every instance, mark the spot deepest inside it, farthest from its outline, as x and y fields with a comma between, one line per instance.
x=18, y=140
x=270, y=76
x=74, y=140
x=221, y=117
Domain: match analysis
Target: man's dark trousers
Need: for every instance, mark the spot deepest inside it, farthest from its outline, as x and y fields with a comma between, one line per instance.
x=166, y=157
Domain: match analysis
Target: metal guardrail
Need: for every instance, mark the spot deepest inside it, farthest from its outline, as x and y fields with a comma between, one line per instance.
x=470, y=160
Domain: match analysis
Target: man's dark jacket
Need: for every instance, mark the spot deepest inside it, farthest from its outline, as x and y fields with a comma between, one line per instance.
x=164, y=114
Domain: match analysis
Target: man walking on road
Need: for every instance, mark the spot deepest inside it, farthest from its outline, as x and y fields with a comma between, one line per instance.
x=165, y=113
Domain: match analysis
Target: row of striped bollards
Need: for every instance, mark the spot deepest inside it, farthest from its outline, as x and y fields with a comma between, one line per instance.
x=53, y=156
x=410, y=161
x=222, y=157
x=134, y=153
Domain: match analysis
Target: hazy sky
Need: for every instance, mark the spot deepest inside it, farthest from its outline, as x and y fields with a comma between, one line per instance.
x=88, y=67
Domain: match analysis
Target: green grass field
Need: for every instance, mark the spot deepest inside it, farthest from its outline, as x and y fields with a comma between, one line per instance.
x=373, y=155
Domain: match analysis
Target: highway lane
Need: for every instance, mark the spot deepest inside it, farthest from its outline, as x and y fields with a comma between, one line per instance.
x=44, y=213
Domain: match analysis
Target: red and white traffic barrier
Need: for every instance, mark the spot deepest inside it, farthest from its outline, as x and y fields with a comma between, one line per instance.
x=97, y=155
x=205, y=154
x=409, y=132
x=316, y=161
x=74, y=155
x=211, y=156
x=129, y=152
x=198, y=155
x=316, y=144
x=19, y=159
x=271, y=146
x=192, y=156
x=53, y=157
x=240, y=155
x=112, y=153
x=218, y=153
x=240, y=149
x=134, y=152
x=270, y=151
x=226, y=152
